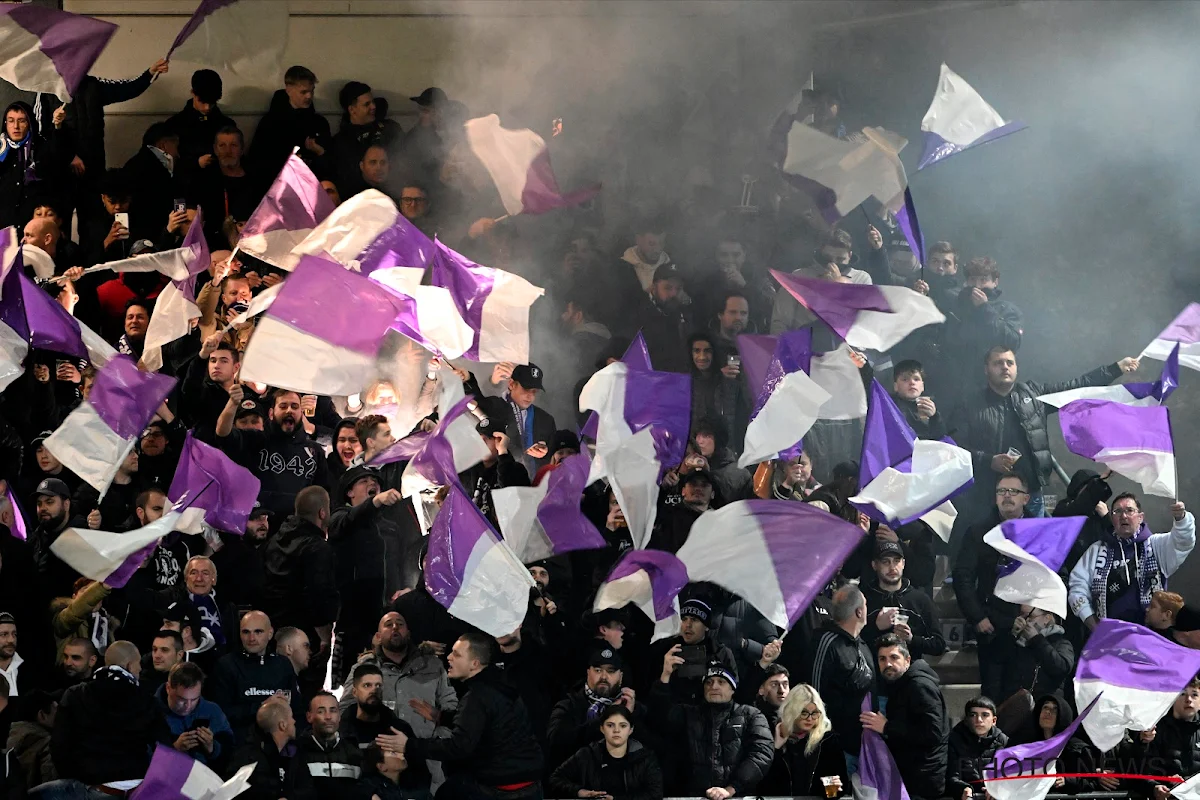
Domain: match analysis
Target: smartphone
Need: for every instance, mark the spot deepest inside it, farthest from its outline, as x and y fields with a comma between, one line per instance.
x=180, y=204
x=199, y=723
x=122, y=217
x=695, y=661
x=734, y=360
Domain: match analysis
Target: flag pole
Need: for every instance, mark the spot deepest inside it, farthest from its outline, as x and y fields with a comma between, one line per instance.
x=501, y=219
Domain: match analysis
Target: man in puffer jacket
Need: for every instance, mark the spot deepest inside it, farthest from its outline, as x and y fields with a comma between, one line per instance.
x=729, y=746
x=914, y=723
x=973, y=742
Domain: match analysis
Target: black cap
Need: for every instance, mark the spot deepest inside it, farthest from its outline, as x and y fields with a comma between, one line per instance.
x=141, y=247
x=666, y=272
x=495, y=413
x=53, y=487
x=351, y=92
x=41, y=437
x=718, y=670
x=207, y=86
x=564, y=440
x=353, y=476
x=608, y=616
x=605, y=654
x=697, y=476
x=178, y=612
x=250, y=408
x=528, y=375
x=260, y=510
x=886, y=548
x=7, y=619
x=432, y=96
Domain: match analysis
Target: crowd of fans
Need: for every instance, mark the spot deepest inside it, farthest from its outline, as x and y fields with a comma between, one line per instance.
x=224, y=645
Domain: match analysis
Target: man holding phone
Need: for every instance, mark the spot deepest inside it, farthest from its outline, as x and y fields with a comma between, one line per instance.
x=688, y=655
x=530, y=428
x=198, y=726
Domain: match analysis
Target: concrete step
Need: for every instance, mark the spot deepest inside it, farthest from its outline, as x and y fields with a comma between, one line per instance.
x=956, y=696
x=957, y=666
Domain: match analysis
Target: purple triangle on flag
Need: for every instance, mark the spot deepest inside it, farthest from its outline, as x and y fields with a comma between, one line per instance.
x=1167, y=383
x=887, y=436
x=661, y=401
x=402, y=244
x=1005, y=773
x=36, y=316
x=836, y=304
x=877, y=771
x=210, y=480
x=126, y=398
x=18, y=530
x=559, y=513
x=667, y=574
x=295, y=202
x=1048, y=539
x=67, y=45
x=1133, y=440
x=637, y=356
x=906, y=218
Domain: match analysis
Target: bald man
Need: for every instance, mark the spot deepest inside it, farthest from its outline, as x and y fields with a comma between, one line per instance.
x=243, y=679
x=280, y=770
x=107, y=727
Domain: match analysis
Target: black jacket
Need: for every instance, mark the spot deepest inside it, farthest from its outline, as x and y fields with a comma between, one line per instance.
x=686, y=690
x=283, y=128
x=980, y=428
x=492, y=742
x=106, y=729
x=346, y=151
x=284, y=462
x=416, y=777
x=300, y=587
x=972, y=329
x=975, y=579
x=154, y=191
x=932, y=428
x=664, y=332
x=634, y=777
x=726, y=744
x=922, y=616
x=1077, y=755
x=795, y=773
x=335, y=768
x=277, y=773
x=968, y=755
x=918, y=729
x=240, y=682
x=1177, y=742
x=197, y=132
x=371, y=549
x=570, y=729
x=841, y=668
x=18, y=194
x=1042, y=665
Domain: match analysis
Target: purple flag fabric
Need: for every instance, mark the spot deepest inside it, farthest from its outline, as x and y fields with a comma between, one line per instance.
x=18, y=528
x=668, y=576
x=887, y=436
x=1167, y=383
x=200, y=259
x=766, y=361
x=565, y=524
x=430, y=455
x=637, y=356
x=125, y=398
x=906, y=218
x=877, y=771
x=37, y=317
x=469, y=284
x=938, y=149
x=1030, y=761
x=401, y=449
x=209, y=479
x=1047, y=539
x=202, y=12
x=541, y=193
x=1184, y=330
x=294, y=202
x=1133, y=440
x=662, y=400
x=169, y=771
x=47, y=50
x=400, y=245
x=836, y=304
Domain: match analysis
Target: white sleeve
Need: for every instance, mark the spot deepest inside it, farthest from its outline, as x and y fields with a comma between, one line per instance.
x=1079, y=583
x=1172, y=548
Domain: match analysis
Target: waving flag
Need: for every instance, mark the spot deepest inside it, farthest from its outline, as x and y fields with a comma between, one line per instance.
x=323, y=332
x=877, y=777
x=177, y=776
x=18, y=529
x=867, y=316
x=436, y=459
x=777, y=554
x=1184, y=331
x=787, y=401
x=651, y=580
x=1134, y=441
x=906, y=218
x=1135, y=674
x=473, y=574
x=207, y=479
x=433, y=321
x=545, y=520
x=636, y=356
x=46, y=50
x=95, y=438
x=245, y=37
x=842, y=174
x=958, y=119
x=628, y=400
x=836, y=373
x=176, y=307
x=519, y=164
x=367, y=233
x=293, y=206
x=1015, y=773
x=1189, y=789
x=904, y=478
x=494, y=303
x=1035, y=550
x=112, y=558
x=1130, y=394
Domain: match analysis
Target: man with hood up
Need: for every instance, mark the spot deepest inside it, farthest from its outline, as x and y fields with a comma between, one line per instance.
x=1117, y=576
x=913, y=719
x=1051, y=715
x=291, y=122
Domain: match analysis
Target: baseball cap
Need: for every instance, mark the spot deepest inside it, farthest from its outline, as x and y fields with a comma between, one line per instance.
x=354, y=475
x=53, y=487
x=260, y=510
x=564, y=440
x=719, y=670
x=141, y=246
x=250, y=408
x=666, y=272
x=697, y=475
x=432, y=96
x=696, y=608
x=604, y=655
x=883, y=549
x=528, y=375
x=41, y=437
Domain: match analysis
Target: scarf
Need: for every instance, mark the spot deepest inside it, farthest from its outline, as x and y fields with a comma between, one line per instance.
x=22, y=151
x=597, y=703
x=1146, y=570
x=524, y=418
x=114, y=673
x=99, y=634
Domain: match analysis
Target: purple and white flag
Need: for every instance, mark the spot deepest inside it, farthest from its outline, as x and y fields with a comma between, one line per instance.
x=904, y=478
x=435, y=459
x=438, y=327
x=1136, y=675
x=293, y=206
x=1035, y=550
x=1020, y=772
x=177, y=776
x=1189, y=789
x=636, y=356
x=629, y=400
x=545, y=520
x=958, y=119
x=651, y=580
x=777, y=554
x=323, y=332
x=176, y=307
x=877, y=777
x=842, y=174
x=1184, y=331
x=519, y=163
x=18, y=529
x=471, y=572
x=1131, y=394
x=865, y=315
x=113, y=558
x=837, y=373
x=46, y=50
x=32, y=319
x=1134, y=441
x=246, y=37
x=494, y=303
x=367, y=233
x=906, y=218
x=95, y=438
x=787, y=401
x=208, y=479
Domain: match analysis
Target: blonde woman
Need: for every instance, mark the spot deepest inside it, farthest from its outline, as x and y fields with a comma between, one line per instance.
x=806, y=748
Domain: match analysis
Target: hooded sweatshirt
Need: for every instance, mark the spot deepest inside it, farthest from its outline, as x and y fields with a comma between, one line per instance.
x=283, y=128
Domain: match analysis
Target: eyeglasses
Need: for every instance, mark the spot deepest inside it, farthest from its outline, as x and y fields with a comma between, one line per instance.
x=413, y=201
x=806, y=714
x=1010, y=492
x=1125, y=512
